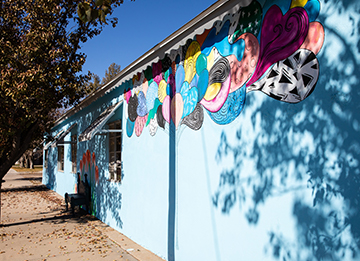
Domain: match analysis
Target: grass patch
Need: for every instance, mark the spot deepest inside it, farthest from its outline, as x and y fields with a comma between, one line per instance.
x=18, y=169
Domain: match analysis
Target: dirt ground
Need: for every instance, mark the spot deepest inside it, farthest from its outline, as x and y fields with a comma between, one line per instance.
x=35, y=226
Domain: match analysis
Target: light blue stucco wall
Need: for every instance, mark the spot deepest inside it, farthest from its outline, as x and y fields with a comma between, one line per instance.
x=280, y=182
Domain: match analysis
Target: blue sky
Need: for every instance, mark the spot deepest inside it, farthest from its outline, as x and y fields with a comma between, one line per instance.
x=142, y=24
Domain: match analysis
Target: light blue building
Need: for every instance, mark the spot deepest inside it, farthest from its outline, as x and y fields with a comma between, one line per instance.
x=235, y=138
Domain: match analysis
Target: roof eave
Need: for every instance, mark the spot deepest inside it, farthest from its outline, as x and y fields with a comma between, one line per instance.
x=207, y=16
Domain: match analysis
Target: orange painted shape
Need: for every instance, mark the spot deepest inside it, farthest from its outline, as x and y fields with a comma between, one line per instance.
x=177, y=108
x=315, y=38
x=201, y=38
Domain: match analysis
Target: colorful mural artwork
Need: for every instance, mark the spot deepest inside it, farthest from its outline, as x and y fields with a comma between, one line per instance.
x=88, y=166
x=271, y=49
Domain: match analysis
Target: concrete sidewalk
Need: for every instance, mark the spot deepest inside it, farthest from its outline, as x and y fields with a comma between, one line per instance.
x=35, y=226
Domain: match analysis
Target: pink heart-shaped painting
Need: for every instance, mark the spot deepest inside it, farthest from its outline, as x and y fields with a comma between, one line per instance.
x=166, y=108
x=281, y=36
x=127, y=95
x=140, y=124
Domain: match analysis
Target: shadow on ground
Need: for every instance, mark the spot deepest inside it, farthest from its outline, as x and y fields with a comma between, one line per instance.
x=56, y=216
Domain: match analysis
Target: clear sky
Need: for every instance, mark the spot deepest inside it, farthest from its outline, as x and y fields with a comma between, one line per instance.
x=142, y=24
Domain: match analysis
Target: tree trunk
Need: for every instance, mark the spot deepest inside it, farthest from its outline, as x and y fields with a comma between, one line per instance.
x=22, y=161
x=31, y=159
x=1, y=181
x=26, y=156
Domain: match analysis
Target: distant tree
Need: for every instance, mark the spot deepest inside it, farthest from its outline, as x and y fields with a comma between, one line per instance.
x=27, y=159
x=93, y=84
x=41, y=65
x=113, y=70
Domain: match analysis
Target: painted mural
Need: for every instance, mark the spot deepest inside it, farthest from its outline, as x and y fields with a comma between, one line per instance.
x=271, y=49
x=88, y=166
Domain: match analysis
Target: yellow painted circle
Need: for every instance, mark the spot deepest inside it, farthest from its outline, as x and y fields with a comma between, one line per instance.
x=210, y=59
x=162, y=90
x=191, y=56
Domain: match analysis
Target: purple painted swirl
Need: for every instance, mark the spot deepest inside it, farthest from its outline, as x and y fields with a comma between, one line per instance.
x=281, y=36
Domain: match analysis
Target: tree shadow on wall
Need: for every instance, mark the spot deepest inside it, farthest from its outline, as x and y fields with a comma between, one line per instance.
x=312, y=147
x=50, y=176
x=108, y=193
x=110, y=201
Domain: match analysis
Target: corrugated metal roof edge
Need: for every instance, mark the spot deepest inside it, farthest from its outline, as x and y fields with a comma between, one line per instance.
x=207, y=17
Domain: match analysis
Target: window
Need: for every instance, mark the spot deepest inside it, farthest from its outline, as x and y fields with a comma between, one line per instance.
x=73, y=153
x=46, y=158
x=115, y=151
x=60, y=158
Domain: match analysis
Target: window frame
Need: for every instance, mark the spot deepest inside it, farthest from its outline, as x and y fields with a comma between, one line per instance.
x=46, y=158
x=73, y=148
x=61, y=158
x=115, y=151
